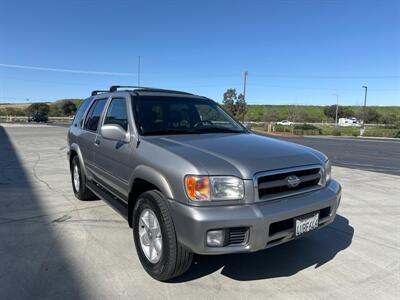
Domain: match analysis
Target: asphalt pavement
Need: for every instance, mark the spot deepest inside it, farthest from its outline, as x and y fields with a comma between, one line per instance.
x=377, y=155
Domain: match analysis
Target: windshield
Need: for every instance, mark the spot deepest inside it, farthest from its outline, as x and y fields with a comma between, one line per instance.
x=176, y=115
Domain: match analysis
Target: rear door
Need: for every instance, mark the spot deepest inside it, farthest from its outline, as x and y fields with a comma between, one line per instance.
x=89, y=132
x=112, y=157
x=75, y=129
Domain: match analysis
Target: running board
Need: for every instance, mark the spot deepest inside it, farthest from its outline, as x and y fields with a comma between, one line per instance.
x=117, y=204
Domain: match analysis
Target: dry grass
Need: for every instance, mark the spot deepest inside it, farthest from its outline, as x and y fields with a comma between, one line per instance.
x=15, y=105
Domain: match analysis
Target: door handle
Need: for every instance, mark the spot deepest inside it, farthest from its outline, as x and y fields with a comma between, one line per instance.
x=97, y=142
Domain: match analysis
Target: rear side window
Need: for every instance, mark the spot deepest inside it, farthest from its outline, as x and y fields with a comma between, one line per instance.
x=81, y=111
x=116, y=113
x=94, y=114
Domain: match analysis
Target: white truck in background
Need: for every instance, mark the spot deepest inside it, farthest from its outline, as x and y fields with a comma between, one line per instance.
x=349, y=122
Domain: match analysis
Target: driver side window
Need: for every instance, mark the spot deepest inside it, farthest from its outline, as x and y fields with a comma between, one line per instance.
x=117, y=113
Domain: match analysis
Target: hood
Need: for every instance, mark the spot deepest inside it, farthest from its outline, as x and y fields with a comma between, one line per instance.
x=241, y=155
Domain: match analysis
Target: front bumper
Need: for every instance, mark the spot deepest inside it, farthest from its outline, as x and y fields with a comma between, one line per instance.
x=192, y=223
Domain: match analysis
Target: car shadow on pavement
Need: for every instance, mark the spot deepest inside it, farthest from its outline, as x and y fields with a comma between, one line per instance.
x=32, y=259
x=284, y=260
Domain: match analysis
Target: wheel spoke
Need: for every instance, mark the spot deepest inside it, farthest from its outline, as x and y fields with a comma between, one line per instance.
x=76, y=178
x=156, y=232
x=152, y=253
x=157, y=245
x=146, y=223
x=144, y=237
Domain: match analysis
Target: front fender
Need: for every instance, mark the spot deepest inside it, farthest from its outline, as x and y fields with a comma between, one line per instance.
x=154, y=177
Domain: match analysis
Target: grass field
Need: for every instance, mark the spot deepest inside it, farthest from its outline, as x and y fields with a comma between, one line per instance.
x=332, y=131
x=312, y=113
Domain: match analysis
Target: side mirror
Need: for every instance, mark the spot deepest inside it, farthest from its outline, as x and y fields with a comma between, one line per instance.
x=114, y=132
x=247, y=126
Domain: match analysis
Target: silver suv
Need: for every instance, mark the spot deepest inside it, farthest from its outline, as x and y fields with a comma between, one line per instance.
x=191, y=179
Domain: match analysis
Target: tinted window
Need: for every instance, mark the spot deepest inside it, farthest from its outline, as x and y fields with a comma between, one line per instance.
x=94, y=114
x=116, y=113
x=81, y=111
x=169, y=115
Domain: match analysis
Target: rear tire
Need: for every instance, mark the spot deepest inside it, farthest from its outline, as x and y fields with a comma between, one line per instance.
x=174, y=259
x=78, y=179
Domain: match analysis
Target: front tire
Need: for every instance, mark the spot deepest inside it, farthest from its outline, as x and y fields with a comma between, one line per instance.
x=78, y=179
x=154, y=234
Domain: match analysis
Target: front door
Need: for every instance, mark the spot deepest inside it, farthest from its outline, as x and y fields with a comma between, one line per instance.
x=112, y=157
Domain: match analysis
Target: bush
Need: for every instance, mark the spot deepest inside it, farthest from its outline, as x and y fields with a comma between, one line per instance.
x=306, y=127
x=397, y=135
x=282, y=128
x=341, y=131
x=39, y=108
x=380, y=132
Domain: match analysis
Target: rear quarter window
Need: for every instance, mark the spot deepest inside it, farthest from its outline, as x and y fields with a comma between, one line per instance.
x=94, y=114
x=80, y=113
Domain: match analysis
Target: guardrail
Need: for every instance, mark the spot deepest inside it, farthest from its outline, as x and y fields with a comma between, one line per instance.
x=24, y=119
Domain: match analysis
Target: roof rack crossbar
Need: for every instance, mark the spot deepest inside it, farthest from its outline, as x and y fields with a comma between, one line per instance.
x=114, y=88
x=94, y=93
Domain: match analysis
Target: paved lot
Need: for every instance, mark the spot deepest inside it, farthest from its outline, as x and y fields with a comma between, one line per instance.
x=377, y=155
x=53, y=246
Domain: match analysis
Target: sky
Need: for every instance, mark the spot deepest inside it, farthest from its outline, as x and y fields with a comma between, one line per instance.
x=295, y=51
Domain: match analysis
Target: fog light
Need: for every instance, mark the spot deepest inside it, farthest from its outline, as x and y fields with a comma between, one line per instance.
x=215, y=238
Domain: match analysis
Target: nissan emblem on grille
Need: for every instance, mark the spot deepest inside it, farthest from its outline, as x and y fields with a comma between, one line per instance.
x=293, y=181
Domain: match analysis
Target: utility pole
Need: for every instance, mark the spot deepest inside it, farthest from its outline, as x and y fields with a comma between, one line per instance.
x=138, y=76
x=365, y=104
x=244, y=84
x=337, y=107
x=244, y=89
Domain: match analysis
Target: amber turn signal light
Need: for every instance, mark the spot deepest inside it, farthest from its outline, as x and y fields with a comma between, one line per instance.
x=197, y=187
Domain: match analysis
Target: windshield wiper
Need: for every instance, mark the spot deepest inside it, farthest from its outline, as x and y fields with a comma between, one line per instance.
x=216, y=129
x=169, y=131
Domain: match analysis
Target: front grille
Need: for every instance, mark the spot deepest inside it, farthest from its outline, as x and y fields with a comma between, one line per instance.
x=237, y=236
x=272, y=185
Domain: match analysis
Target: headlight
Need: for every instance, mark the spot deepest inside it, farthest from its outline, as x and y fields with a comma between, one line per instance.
x=328, y=169
x=206, y=188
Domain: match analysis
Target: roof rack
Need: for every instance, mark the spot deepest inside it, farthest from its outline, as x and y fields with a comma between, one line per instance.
x=115, y=88
x=94, y=93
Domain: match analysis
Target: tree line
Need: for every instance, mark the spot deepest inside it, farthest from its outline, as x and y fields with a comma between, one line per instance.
x=236, y=105
x=317, y=114
x=60, y=108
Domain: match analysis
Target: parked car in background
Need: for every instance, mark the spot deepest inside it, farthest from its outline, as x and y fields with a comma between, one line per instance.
x=349, y=122
x=191, y=179
x=38, y=118
x=284, y=123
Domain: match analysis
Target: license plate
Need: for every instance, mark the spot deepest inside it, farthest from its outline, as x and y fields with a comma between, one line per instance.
x=306, y=224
